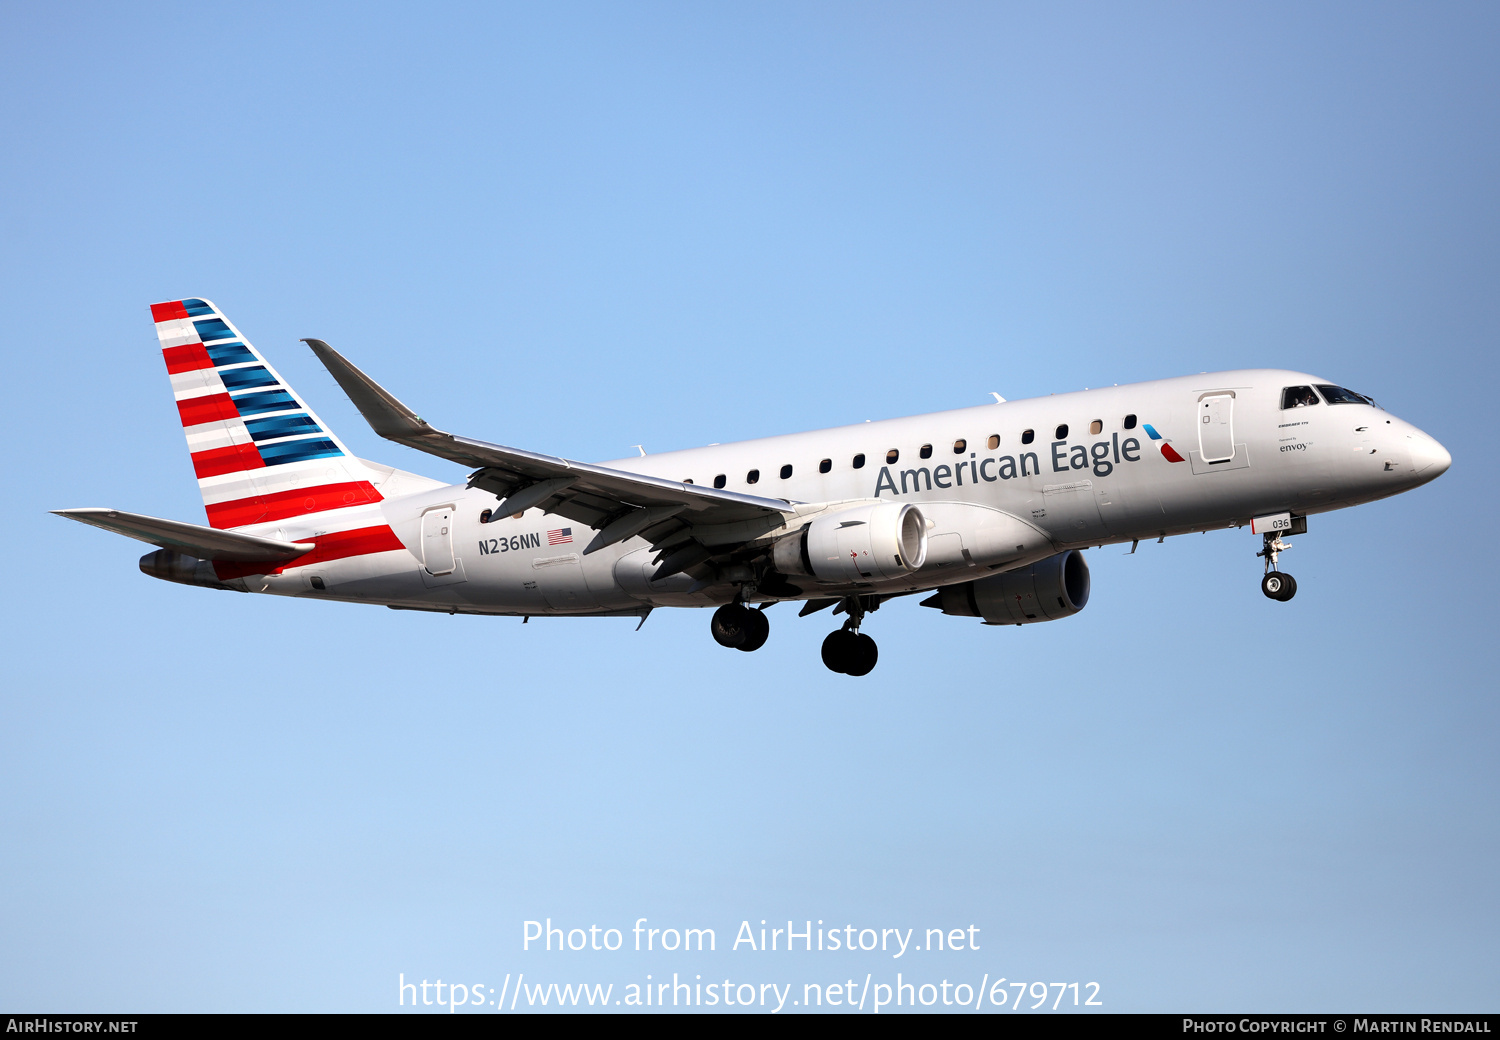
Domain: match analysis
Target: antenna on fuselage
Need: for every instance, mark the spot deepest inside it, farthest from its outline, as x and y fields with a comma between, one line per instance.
x=997, y=397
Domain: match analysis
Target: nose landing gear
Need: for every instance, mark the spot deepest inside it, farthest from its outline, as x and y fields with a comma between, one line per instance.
x=1276, y=585
x=848, y=650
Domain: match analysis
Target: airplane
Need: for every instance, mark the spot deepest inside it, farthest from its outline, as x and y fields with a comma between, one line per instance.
x=986, y=508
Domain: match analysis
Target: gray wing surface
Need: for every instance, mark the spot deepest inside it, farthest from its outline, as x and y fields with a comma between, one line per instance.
x=617, y=503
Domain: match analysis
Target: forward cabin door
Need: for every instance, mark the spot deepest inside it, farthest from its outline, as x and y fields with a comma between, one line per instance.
x=1216, y=427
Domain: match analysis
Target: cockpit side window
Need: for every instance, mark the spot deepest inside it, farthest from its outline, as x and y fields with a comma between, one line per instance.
x=1338, y=395
x=1298, y=397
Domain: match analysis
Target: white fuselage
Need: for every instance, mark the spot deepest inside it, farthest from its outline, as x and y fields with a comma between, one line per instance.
x=991, y=500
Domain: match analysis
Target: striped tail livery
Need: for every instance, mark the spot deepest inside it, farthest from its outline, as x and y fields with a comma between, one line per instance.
x=259, y=452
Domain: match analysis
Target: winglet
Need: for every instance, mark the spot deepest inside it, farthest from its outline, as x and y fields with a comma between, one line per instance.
x=386, y=415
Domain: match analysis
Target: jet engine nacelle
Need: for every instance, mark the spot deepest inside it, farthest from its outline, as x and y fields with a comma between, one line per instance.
x=861, y=544
x=1056, y=587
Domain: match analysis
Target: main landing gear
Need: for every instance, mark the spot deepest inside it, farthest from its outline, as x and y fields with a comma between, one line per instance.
x=1276, y=585
x=739, y=627
x=849, y=651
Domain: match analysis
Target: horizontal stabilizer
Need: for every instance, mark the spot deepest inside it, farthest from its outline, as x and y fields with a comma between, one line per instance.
x=205, y=543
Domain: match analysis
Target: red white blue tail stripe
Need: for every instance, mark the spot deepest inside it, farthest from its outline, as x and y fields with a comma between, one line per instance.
x=241, y=419
x=262, y=457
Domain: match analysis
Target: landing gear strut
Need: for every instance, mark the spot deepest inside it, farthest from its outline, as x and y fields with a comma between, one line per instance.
x=848, y=650
x=1276, y=585
x=739, y=627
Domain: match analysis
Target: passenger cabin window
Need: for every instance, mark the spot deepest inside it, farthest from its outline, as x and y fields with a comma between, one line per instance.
x=752, y=476
x=1062, y=433
x=859, y=462
x=720, y=480
x=1130, y=421
x=960, y=446
x=892, y=455
x=926, y=452
x=484, y=517
x=1338, y=395
x=994, y=441
x=1298, y=397
x=786, y=471
x=1027, y=436
x=1096, y=427
x=825, y=465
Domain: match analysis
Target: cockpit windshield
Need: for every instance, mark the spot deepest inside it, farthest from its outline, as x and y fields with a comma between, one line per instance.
x=1338, y=395
x=1298, y=397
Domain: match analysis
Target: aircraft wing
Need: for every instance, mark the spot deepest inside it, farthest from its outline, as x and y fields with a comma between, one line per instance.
x=620, y=504
x=205, y=543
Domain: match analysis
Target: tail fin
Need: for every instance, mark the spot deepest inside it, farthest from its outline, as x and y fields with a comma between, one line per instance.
x=260, y=453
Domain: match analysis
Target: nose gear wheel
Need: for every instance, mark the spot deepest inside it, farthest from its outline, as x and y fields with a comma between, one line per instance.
x=1277, y=585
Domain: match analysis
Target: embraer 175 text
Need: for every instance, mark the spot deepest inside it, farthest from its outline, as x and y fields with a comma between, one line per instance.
x=986, y=507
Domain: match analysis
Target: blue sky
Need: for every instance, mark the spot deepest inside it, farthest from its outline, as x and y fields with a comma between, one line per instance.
x=577, y=228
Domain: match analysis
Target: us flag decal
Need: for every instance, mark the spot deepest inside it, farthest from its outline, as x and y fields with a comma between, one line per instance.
x=561, y=536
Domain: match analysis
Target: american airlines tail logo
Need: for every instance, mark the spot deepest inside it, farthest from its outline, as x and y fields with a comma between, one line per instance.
x=1101, y=458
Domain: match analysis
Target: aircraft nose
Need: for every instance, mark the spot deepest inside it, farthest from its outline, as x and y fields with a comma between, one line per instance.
x=1429, y=458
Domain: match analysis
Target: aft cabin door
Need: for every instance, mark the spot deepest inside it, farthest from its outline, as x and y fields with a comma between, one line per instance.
x=437, y=541
x=1216, y=428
